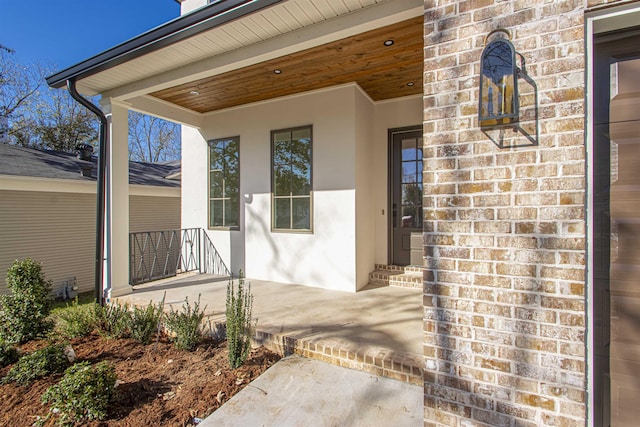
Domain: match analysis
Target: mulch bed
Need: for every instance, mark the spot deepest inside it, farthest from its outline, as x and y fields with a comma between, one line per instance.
x=157, y=384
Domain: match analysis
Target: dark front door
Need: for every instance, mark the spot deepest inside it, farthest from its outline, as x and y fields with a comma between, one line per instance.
x=616, y=241
x=406, y=196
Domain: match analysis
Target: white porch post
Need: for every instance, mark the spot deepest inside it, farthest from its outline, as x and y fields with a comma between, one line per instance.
x=117, y=204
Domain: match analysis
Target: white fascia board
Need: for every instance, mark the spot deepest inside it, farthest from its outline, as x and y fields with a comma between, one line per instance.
x=370, y=18
x=51, y=185
x=30, y=183
x=153, y=191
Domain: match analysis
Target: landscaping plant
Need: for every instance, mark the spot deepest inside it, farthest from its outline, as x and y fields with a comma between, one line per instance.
x=40, y=363
x=186, y=325
x=113, y=320
x=75, y=320
x=239, y=328
x=8, y=354
x=146, y=321
x=24, y=312
x=83, y=394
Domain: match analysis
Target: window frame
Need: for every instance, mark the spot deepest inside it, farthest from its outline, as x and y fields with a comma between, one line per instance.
x=209, y=198
x=291, y=197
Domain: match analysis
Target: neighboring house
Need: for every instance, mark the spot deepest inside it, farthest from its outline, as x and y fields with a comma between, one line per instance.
x=324, y=137
x=48, y=210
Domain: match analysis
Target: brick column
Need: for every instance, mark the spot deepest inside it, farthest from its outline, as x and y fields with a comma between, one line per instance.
x=504, y=294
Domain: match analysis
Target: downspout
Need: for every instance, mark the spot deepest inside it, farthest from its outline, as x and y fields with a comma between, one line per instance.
x=101, y=191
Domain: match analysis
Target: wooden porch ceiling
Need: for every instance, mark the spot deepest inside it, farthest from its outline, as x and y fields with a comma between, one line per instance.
x=384, y=72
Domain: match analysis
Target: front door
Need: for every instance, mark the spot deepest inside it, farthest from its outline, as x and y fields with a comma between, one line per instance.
x=616, y=241
x=406, y=196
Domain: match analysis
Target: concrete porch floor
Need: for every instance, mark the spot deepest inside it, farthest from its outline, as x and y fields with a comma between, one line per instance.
x=377, y=330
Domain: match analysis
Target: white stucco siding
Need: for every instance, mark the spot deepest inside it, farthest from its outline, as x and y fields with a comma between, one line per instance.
x=326, y=256
x=365, y=196
x=349, y=186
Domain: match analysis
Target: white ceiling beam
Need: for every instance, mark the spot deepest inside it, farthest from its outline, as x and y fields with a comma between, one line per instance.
x=164, y=110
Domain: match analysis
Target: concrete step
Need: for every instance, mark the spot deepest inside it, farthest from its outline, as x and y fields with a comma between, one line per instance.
x=373, y=359
x=398, y=276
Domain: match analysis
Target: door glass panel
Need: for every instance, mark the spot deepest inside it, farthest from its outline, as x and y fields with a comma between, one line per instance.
x=406, y=198
x=624, y=271
x=409, y=149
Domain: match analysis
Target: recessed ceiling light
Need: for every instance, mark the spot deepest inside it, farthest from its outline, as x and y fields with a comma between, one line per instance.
x=388, y=42
x=277, y=71
x=410, y=84
x=194, y=93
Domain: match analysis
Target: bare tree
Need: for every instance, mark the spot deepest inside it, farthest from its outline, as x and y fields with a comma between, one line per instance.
x=152, y=139
x=61, y=123
x=31, y=114
x=18, y=87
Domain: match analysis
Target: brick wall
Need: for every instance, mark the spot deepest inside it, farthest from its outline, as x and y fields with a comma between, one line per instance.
x=504, y=241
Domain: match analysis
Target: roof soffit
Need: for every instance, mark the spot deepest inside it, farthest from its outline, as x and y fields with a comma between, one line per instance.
x=284, y=28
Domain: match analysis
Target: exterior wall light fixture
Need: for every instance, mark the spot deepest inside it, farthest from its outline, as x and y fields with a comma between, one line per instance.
x=499, y=107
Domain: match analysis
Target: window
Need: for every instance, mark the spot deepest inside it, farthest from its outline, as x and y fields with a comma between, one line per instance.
x=291, y=179
x=224, y=182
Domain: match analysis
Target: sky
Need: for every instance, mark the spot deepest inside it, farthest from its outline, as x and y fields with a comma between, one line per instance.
x=62, y=33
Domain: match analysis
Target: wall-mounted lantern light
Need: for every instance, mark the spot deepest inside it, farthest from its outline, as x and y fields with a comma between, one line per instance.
x=498, y=101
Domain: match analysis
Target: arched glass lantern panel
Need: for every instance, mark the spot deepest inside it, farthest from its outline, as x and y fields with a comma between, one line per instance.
x=499, y=107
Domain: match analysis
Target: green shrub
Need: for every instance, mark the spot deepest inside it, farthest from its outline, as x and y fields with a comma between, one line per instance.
x=8, y=354
x=76, y=320
x=146, y=321
x=113, y=320
x=23, y=313
x=239, y=328
x=83, y=394
x=186, y=325
x=40, y=363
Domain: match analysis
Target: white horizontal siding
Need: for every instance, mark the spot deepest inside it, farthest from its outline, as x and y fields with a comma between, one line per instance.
x=58, y=230
x=148, y=213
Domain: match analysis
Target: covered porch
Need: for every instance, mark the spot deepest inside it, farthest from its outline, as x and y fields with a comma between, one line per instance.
x=377, y=330
x=242, y=74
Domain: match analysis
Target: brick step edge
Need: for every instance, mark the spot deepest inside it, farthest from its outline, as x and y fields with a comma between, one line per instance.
x=401, y=366
x=396, y=278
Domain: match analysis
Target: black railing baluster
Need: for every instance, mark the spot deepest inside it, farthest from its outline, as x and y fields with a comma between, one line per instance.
x=160, y=254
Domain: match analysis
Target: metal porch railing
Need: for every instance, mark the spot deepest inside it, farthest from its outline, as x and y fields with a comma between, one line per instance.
x=157, y=255
x=212, y=261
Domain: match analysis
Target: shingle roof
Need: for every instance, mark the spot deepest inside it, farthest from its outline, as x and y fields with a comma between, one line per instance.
x=21, y=161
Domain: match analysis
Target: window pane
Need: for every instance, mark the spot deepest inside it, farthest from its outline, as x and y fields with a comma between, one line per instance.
x=301, y=134
x=216, y=159
x=215, y=213
x=412, y=194
x=224, y=182
x=282, y=180
x=409, y=172
x=302, y=213
x=231, y=186
x=281, y=148
x=231, y=214
x=291, y=168
x=282, y=213
x=409, y=149
x=215, y=184
x=410, y=217
x=300, y=180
